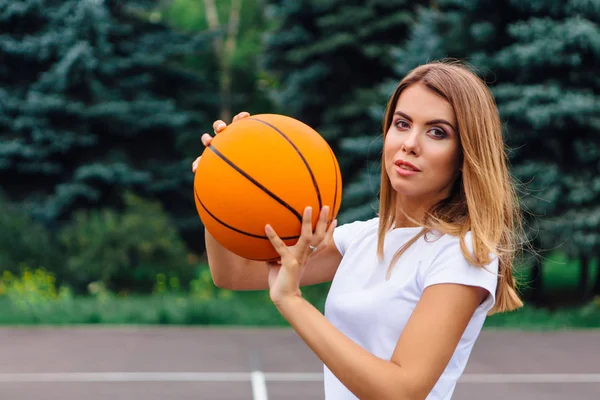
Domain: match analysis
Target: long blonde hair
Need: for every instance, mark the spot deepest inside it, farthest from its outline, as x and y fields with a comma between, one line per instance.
x=483, y=199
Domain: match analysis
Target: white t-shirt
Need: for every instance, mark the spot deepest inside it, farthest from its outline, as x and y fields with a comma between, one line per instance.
x=373, y=312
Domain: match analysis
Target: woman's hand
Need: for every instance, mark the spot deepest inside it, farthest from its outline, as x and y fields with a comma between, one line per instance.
x=218, y=126
x=284, y=275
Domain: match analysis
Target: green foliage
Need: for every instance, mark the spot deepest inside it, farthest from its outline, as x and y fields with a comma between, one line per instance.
x=103, y=96
x=24, y=241
x=33, y=291
x=247, y=79
x=123, y=250
x=94, y=97
x=34, y=297
x=548, y=94
x=561, y=279
x=200, y=288
x=561, y=274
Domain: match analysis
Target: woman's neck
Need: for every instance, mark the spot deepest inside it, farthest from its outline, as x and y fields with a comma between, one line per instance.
x=407, y=212
x=403, y=221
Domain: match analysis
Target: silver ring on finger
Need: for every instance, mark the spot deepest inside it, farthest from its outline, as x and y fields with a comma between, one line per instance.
x=312, y=248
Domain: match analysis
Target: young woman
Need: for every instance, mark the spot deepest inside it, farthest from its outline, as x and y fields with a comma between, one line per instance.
x=412, y=287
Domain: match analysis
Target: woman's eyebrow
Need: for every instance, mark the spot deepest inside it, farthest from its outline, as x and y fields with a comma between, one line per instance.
x=432, y=122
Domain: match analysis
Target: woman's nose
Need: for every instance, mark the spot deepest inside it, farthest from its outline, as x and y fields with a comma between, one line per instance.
x=410, y=144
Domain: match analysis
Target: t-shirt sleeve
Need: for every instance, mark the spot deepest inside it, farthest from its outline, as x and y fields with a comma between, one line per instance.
x=343, y=235
x=451, y=266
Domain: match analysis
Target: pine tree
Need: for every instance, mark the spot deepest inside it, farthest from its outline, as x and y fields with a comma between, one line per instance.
x=539, y=59
x=551, y=105
x=94, y=102
x=330, y=57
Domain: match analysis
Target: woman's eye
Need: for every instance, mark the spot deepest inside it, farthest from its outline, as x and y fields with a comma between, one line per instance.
x=402, y=124
x=438, y=133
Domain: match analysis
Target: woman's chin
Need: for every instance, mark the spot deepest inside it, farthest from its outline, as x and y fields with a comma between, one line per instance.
x=405, y=188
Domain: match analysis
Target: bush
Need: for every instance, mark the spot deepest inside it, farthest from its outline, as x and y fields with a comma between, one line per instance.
x=33, y=292
x=124, y=251
x=200, y=288
x=26, y=242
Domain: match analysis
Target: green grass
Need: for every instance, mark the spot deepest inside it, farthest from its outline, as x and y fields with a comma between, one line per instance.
x=153, y=310
x=532, y=318
x=34, y=300
x=246, y=309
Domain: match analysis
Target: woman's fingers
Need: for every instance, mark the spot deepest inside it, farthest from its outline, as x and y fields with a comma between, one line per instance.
x=306, y=236
x=321, y=227
x=206, y=139
x=195, y=164
x=241, y=115
x=329, y=233
x=218, y=126
x=280, y=247
x=306, y=231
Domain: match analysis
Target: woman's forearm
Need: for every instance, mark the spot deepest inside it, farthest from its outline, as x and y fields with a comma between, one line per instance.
x=364, y=374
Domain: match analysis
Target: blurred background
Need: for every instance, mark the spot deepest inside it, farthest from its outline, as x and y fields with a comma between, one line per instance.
x=103, y=102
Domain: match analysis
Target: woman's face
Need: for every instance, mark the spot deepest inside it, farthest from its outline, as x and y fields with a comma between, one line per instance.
x=422, y=148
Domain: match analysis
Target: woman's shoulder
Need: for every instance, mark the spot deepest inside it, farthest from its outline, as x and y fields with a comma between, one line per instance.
x=359, y=225
x=457, y=248
x=349, y=232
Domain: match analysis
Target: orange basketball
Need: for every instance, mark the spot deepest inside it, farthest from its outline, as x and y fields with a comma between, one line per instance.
x=264, y=169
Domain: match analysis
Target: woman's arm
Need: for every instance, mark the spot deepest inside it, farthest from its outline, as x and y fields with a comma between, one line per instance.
x=230, y=271
x=421, y=354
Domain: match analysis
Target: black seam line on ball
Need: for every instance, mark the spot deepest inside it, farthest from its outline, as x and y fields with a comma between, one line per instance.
x=312, y=175
x=233, y=228
x=256, y=183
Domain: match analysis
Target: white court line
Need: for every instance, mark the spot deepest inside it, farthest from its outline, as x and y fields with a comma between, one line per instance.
x=128, y=377
x=259, y=387
x=259, y=379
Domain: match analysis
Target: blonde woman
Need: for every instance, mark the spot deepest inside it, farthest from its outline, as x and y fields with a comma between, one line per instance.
x=412, y=287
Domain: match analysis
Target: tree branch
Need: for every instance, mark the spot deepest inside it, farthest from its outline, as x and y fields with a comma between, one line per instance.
x=212, y=18
x=234, y=27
